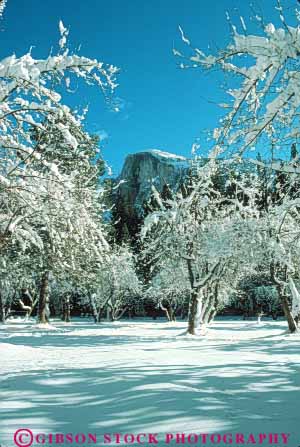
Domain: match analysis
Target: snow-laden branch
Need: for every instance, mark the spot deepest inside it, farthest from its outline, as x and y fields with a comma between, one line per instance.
x=2, y=6
x=265, y=99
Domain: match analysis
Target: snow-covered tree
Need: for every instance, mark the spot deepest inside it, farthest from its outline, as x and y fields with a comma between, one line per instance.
x=49, y=165
x=209, y=232
x=262, y=113
x=116, y=288
x=169, y=288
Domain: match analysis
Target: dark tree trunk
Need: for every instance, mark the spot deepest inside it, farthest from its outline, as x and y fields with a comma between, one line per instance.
x=95, y=315
x=280, y=287
x=287, y=312
x=213, y=310
x=117, y=315
x=99, y=314
x=95, y=311
x=194, y=302
x=212, y=315
x=66, y=311
x=42, y=317
x=207, y=309
x=172, y=313
x=2, y=310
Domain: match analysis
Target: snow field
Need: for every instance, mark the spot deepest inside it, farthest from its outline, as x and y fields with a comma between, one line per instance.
x=147, y=377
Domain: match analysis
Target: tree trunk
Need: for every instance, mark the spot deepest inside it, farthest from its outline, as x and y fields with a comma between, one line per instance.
x=98, y=316
x=196, y=298
x=93, y=307
x=207, y=309
x=42, y=317
x=288, y=314
x=286, y=309
x=195, y=306
x=212, y=315
x=172, y=313
x=109, y=314
x=194, y=320
x=166, y=311
x=118, y=315
x=33, y=306
x=66, y=310
x=213, y=310
x=2, y=310
x=280, y=287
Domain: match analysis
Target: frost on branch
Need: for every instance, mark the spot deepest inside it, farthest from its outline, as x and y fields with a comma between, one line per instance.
x=2, y=6
x=29, y=98
x=64, y=34
x=265, y=98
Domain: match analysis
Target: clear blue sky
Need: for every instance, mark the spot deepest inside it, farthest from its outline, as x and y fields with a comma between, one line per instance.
x=162, y=106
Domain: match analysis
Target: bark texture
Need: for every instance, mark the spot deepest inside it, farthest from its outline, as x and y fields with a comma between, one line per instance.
x=280, y=287
x=2, y=310
x=43, y=297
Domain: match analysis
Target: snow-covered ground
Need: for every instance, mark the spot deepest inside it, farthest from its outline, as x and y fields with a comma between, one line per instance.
x=145, y=376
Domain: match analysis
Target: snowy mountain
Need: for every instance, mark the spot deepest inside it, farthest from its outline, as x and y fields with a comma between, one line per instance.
x=144, y=169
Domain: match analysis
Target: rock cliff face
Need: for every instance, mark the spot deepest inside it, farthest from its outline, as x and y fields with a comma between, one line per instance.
x=139, y=173
x=144, y=169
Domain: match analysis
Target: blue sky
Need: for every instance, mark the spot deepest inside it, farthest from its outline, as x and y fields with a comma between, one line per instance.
x=162, y=106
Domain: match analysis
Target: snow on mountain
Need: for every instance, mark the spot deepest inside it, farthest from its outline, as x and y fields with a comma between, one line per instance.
x=167, y=155
x=144, y=169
